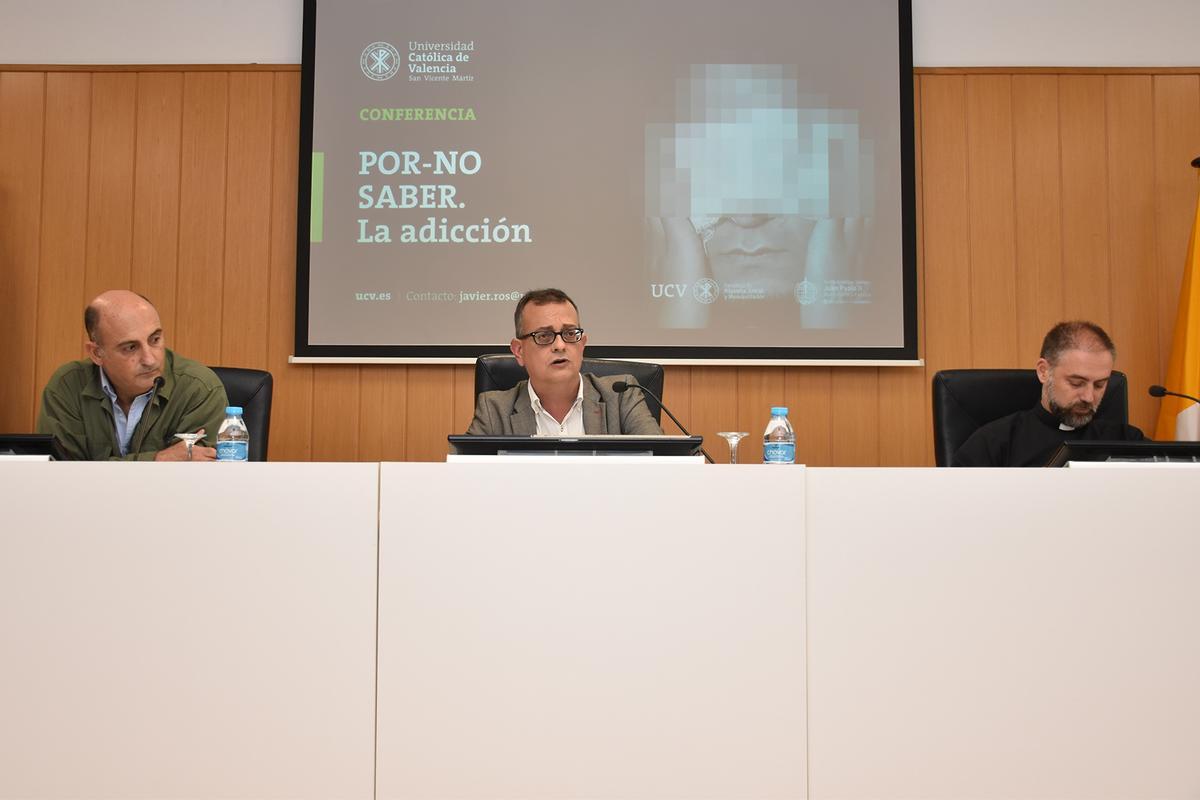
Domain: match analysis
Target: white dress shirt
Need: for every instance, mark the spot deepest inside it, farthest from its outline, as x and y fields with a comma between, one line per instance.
x=547, y=425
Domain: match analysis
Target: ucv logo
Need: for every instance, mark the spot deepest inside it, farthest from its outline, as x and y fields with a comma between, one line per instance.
x=668, y=289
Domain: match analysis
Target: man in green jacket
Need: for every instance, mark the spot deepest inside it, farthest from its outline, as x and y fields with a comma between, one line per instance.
x=131, y=395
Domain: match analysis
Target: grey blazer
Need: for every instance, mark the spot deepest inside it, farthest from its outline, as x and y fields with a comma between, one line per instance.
x=508, y=412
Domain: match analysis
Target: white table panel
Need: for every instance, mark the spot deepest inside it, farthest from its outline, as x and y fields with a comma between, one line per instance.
x=1004, y=633
x=591, y=631
x=187, y=630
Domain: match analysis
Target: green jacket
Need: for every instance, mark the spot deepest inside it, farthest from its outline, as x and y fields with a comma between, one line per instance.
x=76, y=410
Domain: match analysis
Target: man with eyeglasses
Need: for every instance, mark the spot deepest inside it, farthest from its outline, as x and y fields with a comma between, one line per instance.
x=558, y=400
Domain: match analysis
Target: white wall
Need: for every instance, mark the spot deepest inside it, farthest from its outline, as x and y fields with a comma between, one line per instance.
x=150, y=31
x=945, y=32
x=1053, y=33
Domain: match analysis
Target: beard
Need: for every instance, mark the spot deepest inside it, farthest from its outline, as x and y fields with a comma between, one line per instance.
x=1073, y=416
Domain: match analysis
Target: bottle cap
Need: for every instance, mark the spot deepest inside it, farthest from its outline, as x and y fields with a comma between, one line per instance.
x=778, y=411
x=234, y=410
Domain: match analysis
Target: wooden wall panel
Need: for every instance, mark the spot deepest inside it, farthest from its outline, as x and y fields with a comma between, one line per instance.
x=155, y=250
x=1132, y=242
x=393, y=430
x=247, y=217
x=1042, y=194
x=905, y=417
x=429, y=413
x=1084, y=198
x=758, y=389
x=714, y=407
x=945, y=222
x=677, y=393
x=334, y=426
x=202, y=216
x=808, y=390
x=990, y=206
x=854, y=421
x=371, y=411
x=464, y=396
x=1037, y=201
x=110, y=183
x=384, y=413
x=60, y=295
x=22, y=114
x=291, y=409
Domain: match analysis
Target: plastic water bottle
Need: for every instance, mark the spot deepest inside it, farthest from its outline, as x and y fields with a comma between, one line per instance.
x=779, y=440
x=233, y=440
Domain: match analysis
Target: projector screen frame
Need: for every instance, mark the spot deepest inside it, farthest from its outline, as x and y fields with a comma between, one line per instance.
x=904, y=355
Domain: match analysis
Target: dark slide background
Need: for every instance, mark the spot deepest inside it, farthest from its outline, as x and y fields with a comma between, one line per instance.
x=567, y=98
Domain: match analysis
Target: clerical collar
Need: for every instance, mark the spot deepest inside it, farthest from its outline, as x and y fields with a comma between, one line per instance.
x=1050, y=420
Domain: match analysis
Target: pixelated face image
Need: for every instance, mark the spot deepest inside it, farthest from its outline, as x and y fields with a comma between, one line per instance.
x=764, y=250
x=754, y=164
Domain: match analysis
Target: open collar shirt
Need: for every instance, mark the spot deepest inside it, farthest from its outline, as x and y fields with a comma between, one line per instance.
x=547, y=425
x=126, y=424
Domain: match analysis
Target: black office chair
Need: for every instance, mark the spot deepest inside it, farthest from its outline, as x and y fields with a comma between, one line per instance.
x=250, y=389
x=501, y=371
x=965, y=400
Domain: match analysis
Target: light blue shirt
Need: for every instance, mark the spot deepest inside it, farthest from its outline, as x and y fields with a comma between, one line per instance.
x=126, y=425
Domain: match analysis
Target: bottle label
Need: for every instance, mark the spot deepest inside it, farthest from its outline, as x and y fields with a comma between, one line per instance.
x=233, y=451
x=777, y=453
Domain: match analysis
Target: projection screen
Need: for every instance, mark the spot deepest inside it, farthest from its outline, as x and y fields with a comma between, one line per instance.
x=707, y=180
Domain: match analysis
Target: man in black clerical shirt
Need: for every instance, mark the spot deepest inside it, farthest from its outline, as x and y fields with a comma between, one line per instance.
x=1076, y=363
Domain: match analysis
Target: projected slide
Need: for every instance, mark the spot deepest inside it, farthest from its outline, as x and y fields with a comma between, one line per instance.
x=708, y=180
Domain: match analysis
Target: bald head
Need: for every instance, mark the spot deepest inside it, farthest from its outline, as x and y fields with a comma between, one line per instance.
x=113, y=304
x=125, y=339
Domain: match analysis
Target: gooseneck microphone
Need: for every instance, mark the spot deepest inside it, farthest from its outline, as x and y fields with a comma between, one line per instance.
x=621, y=386
x=1162, y=391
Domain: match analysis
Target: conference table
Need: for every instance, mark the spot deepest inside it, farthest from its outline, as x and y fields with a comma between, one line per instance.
x=483, y=630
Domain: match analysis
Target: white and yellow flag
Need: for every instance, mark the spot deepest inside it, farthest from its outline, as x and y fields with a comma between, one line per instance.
x=1179, y=418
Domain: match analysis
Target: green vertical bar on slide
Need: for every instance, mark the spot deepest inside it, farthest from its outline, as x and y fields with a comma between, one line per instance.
x=316, y=226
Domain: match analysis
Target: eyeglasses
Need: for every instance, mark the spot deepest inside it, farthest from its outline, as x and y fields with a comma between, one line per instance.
x=544, y=337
